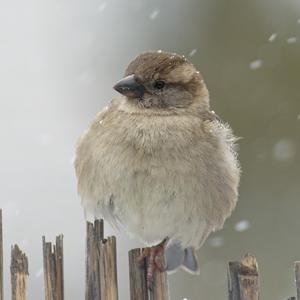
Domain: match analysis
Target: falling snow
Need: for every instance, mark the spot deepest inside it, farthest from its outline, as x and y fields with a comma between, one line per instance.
x=154, y=14
x=193, y=52
x=216, y=242
x=102, y=6
x=298, y=117
x=284, y=150
x=272, y=37
x=298, y=21
x=291, y=40
x=256, y=64
x=242, y=226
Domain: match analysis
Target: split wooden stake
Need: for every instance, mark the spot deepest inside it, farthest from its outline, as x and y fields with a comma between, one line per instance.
x=53, y=269
x=19, y=274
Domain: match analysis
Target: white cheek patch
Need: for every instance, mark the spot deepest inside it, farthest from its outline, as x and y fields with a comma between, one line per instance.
x=182, y=73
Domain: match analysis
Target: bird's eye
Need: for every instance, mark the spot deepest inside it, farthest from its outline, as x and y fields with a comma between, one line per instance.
x=159, y=84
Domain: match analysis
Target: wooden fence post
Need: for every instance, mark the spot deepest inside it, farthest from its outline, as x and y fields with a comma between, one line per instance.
x=101, y=264
x=243, y=279
x=1, y=257
x=19, y=274
x=137, y=276
x=94, y=234
x=101, y=272
x=233, y=282
x=53, y=269
x=138, y=281
x=160, y=289
x=108, y=269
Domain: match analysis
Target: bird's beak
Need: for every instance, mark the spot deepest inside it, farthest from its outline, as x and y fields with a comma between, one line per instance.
x=129, y=87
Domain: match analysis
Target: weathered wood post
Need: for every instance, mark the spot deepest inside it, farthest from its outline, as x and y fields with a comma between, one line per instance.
x=243, y=279
x=94, y=234
x=137, y=276
x=160, y=289
x=101, y=264
x=19, y=274
x=138, y=281
x=53, y=269
x=108, y=269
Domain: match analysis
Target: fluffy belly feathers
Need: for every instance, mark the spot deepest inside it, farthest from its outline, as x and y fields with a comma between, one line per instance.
x=159, y=182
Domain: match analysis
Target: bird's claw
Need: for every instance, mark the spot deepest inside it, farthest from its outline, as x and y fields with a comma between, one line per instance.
x=155, y=261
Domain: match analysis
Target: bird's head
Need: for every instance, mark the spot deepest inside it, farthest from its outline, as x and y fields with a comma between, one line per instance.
x=163, y=80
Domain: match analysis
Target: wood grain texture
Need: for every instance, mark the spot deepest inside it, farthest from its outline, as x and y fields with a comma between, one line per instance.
x=248, y=278
x=233, y=283
x=53, y=269
x=94, y=236
x=108, y=269
x=137, y=276
x=243, y=279
x=297, y=278
x=1, y=258
x=19, y=274
x=160, y=288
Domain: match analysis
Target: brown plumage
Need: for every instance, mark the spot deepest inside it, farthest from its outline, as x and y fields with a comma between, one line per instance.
x=180, y=76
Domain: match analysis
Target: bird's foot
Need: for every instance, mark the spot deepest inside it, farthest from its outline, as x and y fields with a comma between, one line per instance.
x=155, y=260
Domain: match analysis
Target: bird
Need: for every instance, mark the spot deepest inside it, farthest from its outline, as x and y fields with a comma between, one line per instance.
x=159, y=162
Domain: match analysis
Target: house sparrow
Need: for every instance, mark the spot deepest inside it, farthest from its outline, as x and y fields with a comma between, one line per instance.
x=159, y=162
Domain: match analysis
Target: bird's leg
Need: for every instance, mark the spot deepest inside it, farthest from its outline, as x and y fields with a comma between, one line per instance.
x=155, y=261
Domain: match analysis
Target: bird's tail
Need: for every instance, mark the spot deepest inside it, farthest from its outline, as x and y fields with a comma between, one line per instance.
x=177, y=257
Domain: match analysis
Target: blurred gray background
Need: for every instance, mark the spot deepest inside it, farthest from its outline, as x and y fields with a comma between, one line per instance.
x=58, y=62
